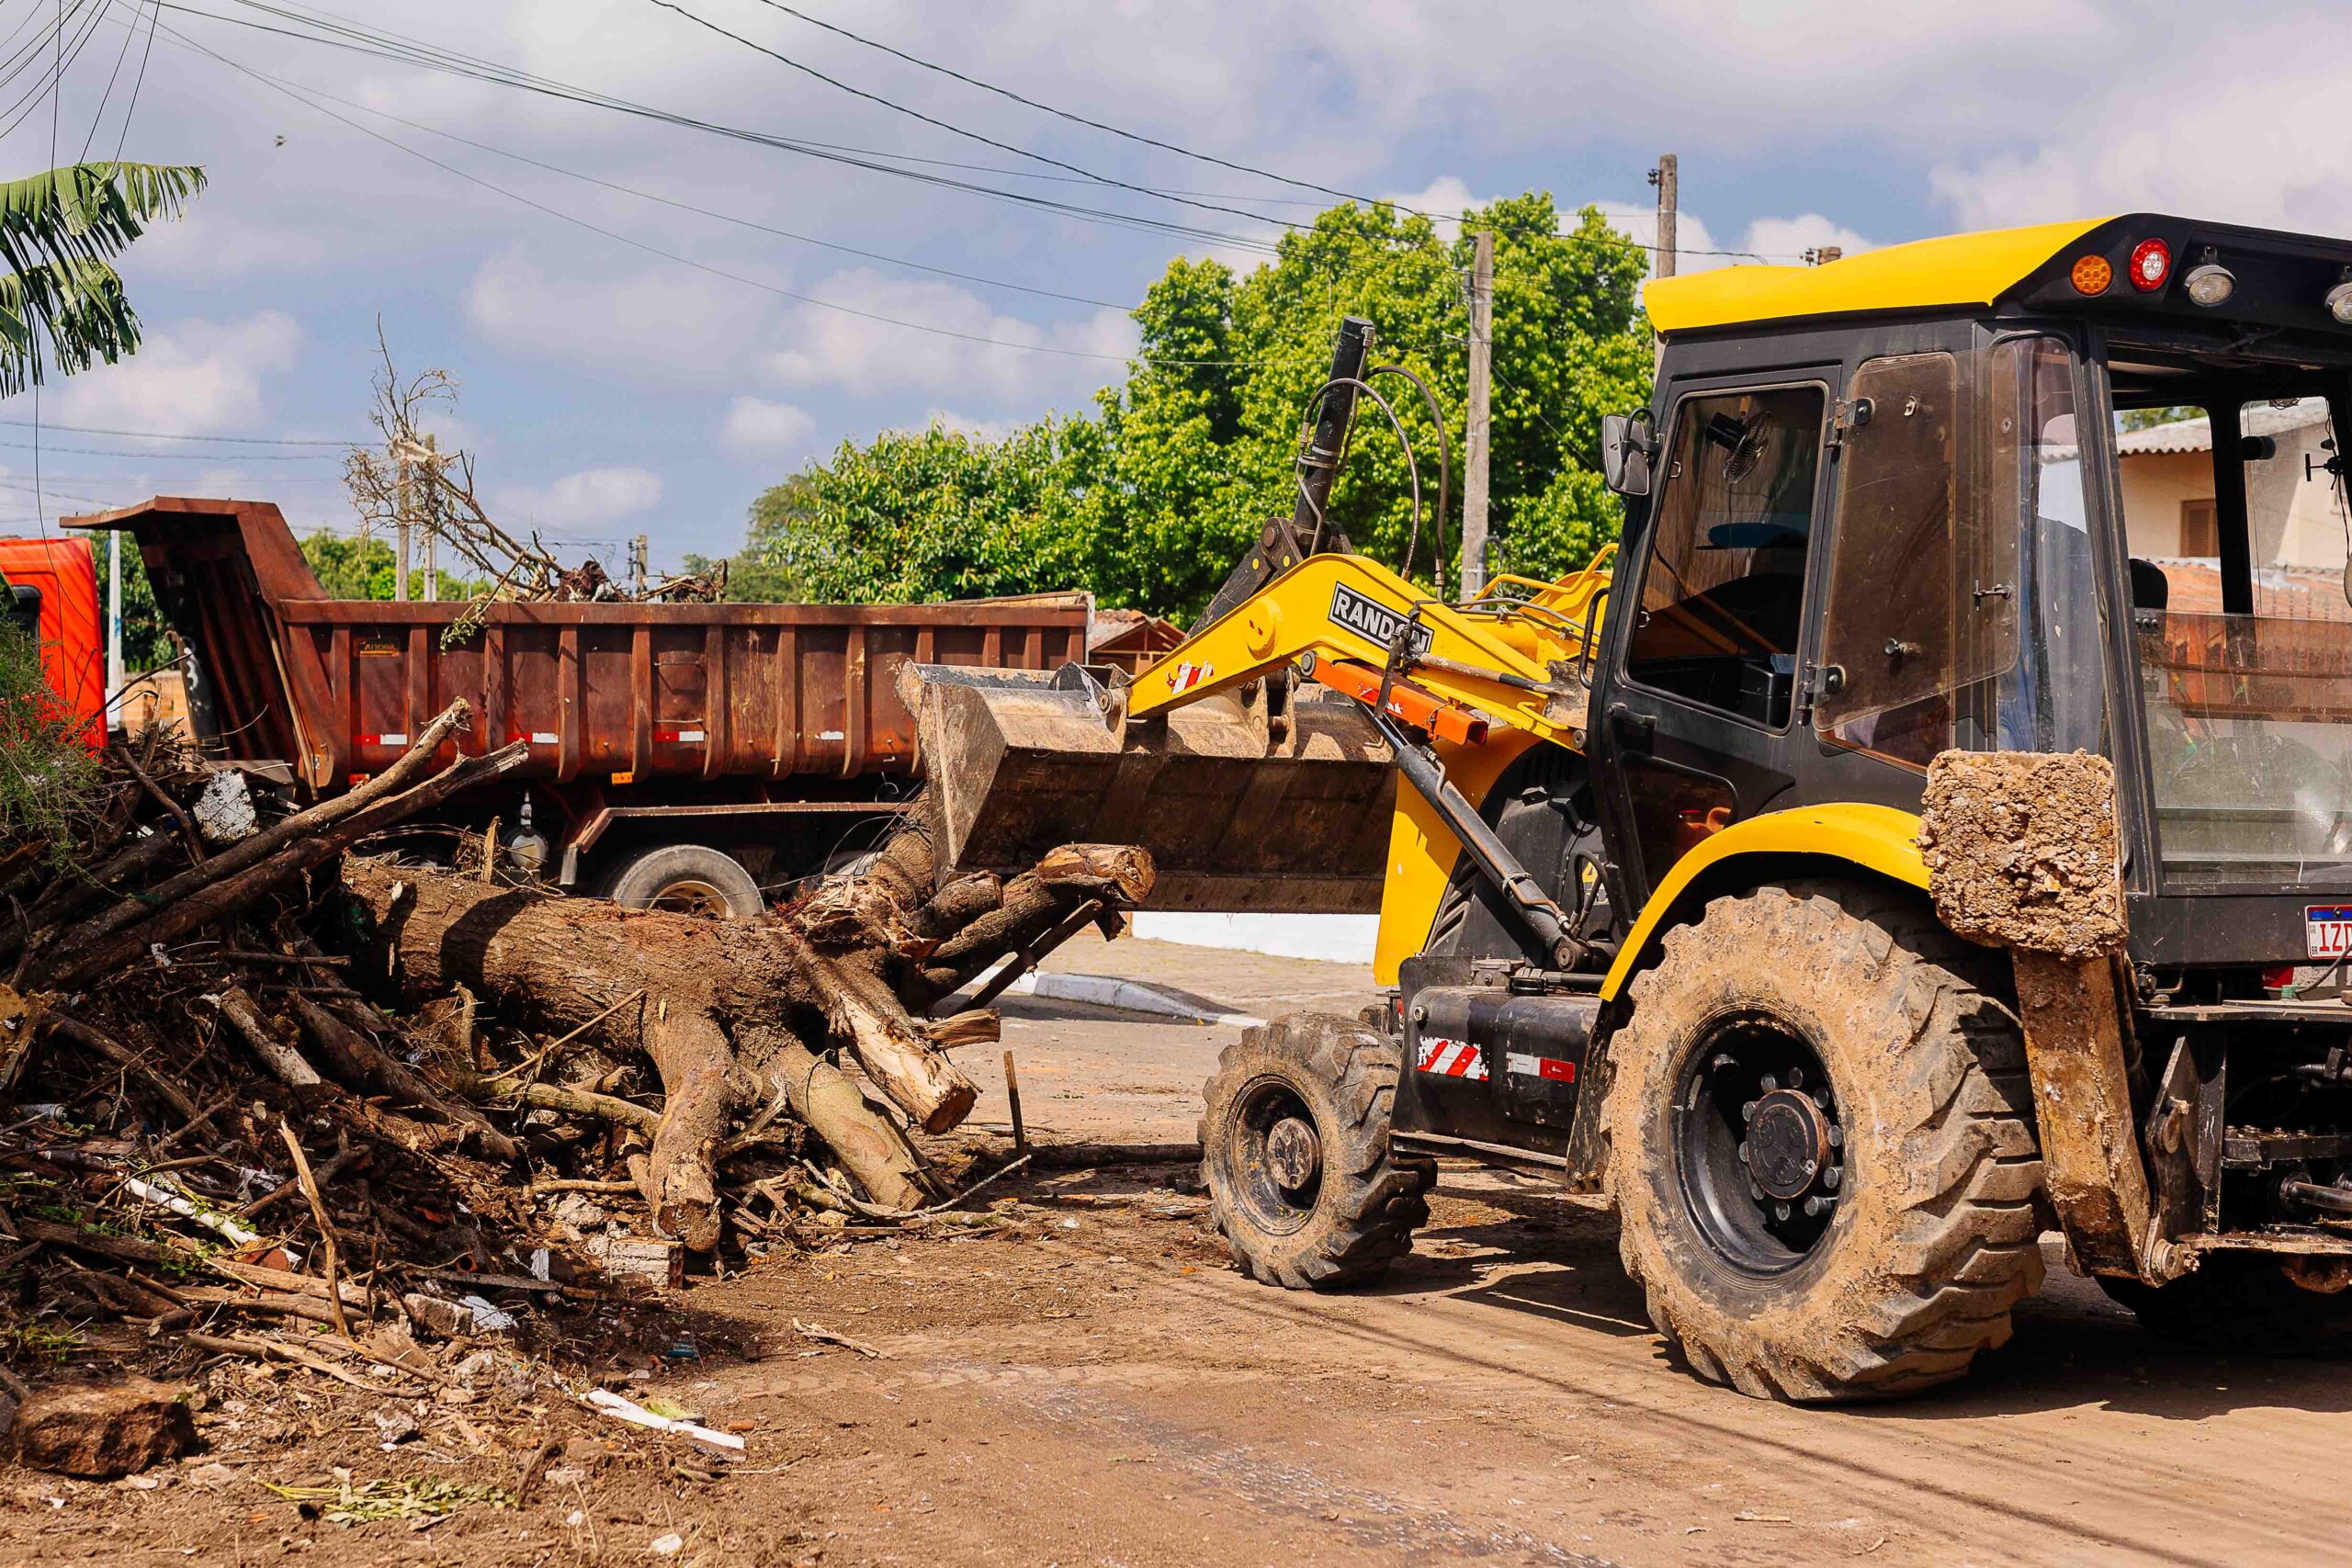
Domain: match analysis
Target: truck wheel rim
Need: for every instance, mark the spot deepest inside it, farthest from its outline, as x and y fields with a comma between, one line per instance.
x=691, y=896
x=1760, y=1149
x=1274, y=1156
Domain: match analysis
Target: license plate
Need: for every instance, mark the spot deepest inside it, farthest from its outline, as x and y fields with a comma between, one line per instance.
x=2327, y=930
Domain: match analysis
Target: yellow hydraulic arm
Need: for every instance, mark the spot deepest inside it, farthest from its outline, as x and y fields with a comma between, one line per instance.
x=1516, y=656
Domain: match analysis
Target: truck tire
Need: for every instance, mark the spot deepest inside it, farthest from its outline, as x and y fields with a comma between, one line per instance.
x=1822, y=1145
x=691, y=879
x=2241, y=1304
x=1295, y=1153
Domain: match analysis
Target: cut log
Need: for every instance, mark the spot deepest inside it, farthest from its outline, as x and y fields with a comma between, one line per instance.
x=680, y=989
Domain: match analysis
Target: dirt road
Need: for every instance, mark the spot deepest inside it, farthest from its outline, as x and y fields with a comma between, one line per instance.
x=1114, y=1394
x=1094, y=1385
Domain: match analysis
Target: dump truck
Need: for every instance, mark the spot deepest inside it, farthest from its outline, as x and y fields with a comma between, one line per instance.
x=1920, y=835
x=689, y=757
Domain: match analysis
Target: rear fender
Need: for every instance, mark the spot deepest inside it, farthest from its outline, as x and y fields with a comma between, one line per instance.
x=1811, y=841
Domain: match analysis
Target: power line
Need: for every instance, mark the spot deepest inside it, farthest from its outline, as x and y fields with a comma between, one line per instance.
x=123, y=140
x=672, y=256
x=954, y=130
x=721, y=217
x=168, y=435
x=381, y=47
x=98, y=118
x=1096, y=124
x=38, y=445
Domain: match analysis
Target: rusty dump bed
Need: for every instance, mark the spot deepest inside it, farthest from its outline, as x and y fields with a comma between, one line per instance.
x=649, y=693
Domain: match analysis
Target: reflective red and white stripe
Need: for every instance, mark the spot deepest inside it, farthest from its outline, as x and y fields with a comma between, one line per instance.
x=1451, y=1058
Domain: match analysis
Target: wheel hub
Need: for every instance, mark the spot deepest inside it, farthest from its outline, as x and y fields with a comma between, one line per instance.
x=1294, y=1154
x=1787, y=1144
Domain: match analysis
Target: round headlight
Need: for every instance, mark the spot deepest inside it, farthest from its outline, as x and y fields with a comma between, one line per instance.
x=2210, y=284
x=2339, y=301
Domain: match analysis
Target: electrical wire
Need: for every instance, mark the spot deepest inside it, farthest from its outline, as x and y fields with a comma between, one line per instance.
x=363, y=43
x=1098, y=125
x=123, y=139
x=214, y=458
x=687, y=261
x=129, y=34
x=168, y=435
x=954, y=130
x=709, y=212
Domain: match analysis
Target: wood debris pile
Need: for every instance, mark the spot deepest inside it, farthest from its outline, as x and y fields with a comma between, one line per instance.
x=275, y=1098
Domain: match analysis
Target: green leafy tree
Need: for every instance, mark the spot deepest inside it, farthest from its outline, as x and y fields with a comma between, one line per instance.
x=366, y=568
x=61, y=302
x=1148, y=500
x=146, y=634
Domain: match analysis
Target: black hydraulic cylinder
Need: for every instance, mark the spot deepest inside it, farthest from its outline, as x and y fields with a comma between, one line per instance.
x=1534, y=908
x=1320, y=460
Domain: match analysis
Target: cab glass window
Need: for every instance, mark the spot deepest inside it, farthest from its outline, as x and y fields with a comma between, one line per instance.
x=1722, y=596
x=1924, y=590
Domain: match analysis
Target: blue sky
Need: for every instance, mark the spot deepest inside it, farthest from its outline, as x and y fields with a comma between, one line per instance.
x=608, y=389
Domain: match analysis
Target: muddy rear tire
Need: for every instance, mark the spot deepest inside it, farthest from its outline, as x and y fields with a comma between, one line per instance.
x=1295, y=1153
x=1823, y=1147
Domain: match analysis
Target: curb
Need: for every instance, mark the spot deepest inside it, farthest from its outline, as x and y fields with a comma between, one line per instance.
x=1123, y=996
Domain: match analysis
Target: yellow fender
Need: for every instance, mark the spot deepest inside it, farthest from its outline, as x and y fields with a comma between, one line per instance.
x=1876, y=838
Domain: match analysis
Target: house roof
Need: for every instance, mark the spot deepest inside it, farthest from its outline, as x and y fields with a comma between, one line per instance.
x=2197, y=435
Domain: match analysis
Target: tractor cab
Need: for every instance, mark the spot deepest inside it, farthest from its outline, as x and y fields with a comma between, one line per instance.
x=2077, y=486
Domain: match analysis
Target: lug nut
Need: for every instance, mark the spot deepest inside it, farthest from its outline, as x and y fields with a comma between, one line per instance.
x=1796, y=1078
x=1836, y=1137
x=1817, y=1205
x=1748, y=1111
x=1780, y=1210
x=1769, y=1082
x=1833, y=1175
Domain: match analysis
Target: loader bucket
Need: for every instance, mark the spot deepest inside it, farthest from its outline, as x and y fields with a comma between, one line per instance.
x=1240, y=810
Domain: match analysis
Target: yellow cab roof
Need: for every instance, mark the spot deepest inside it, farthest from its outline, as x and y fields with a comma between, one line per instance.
x=1958, y=270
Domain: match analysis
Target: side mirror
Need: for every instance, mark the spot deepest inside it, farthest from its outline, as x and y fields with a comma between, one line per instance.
x=1628, y=446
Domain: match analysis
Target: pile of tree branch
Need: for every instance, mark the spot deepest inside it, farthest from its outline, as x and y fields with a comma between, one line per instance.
x=260, y=1074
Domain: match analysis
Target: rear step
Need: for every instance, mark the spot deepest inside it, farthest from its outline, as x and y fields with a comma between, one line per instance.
x=1244, y=804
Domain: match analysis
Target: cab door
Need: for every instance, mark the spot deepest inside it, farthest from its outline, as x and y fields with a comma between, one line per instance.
x=1705, y=671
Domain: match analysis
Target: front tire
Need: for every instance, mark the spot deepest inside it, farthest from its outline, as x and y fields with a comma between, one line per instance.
x=1823, y=1145
x=1295, y=1153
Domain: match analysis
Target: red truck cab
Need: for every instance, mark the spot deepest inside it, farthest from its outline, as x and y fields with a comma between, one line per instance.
x=71, y=631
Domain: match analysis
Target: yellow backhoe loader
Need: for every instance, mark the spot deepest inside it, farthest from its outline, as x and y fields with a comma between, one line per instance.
x=1934, y=826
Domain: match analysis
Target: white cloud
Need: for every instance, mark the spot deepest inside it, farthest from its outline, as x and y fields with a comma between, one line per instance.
x=864, y=355
x=193, y=379
x=2247, y=129
x=759, y=427
x=977, y=429
x=589, y=497
x=672, y=323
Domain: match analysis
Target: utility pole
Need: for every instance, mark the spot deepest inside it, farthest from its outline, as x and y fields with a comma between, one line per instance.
x=432, y=515
x=637, y=564
x=400, y=507
x=1474, y=478
x=1664, y=176
x=114, y=626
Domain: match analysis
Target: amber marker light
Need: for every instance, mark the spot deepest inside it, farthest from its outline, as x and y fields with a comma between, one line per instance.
x=2092, y=275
